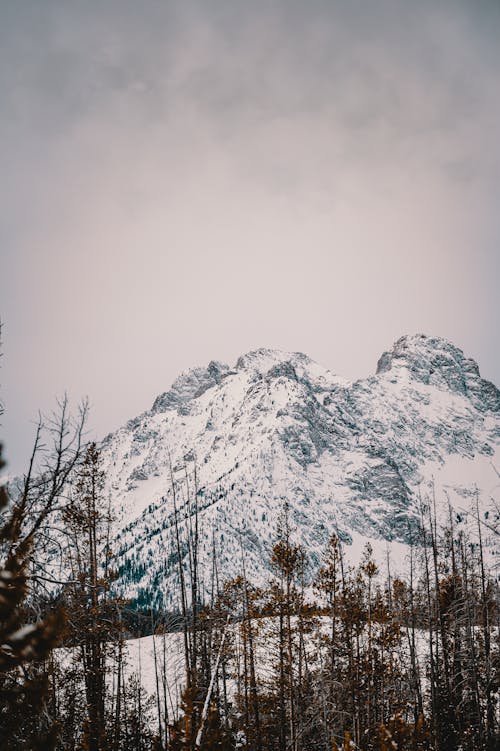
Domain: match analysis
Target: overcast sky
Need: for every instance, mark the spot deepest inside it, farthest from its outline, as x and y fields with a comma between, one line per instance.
x=186, y=181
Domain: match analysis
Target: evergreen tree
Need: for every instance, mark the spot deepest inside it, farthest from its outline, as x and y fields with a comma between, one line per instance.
x=95, y=628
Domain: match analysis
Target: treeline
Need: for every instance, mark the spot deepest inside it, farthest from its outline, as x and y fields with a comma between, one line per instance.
x=351, y=658
x=365, y=660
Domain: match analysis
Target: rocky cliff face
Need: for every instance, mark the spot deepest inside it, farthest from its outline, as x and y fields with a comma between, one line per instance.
x=236, y=443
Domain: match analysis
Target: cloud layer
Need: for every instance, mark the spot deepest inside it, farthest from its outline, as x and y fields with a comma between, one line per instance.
x=185, y=181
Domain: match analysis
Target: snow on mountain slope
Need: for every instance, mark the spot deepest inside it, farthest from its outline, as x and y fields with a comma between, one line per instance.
x=351, y=457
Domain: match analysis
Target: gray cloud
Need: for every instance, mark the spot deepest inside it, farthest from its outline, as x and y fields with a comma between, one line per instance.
x=185, y=181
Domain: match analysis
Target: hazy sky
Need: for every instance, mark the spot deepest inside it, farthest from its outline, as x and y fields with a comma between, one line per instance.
x=185, y=181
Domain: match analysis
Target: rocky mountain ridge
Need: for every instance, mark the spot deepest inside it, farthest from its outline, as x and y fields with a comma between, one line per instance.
x=237, y=443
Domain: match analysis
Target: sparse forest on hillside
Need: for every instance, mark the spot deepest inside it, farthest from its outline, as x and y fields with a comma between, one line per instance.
x=342, y=658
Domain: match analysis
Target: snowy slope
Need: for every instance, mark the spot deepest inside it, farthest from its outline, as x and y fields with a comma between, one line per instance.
x=351, y=457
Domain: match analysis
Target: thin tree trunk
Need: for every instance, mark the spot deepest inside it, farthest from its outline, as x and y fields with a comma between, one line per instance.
x=204, y=713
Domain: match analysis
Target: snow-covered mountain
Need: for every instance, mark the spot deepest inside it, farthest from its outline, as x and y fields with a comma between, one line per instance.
x=237, y=442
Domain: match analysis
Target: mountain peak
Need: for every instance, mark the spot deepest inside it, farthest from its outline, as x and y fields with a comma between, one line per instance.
x=419, y=351
x=263, y=359
x=436, y=361
x=189, y=385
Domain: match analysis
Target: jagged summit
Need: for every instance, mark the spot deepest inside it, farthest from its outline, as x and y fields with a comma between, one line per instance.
x=425, y=356
x=430, y=360
x=276, y=427
x=263, y=359
x=263, y=362
x=438, y=362
x=190, y=385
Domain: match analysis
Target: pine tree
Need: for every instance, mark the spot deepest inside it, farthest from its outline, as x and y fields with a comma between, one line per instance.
x=95, y=625
x=328, y=585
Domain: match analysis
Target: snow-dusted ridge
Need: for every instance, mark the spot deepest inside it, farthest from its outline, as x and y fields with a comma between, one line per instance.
x=279, y=427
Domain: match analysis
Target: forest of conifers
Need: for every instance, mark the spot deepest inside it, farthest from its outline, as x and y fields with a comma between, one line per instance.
x=341, y=658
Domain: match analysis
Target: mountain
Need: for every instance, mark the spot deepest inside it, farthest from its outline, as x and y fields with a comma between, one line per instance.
x=238, y=442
